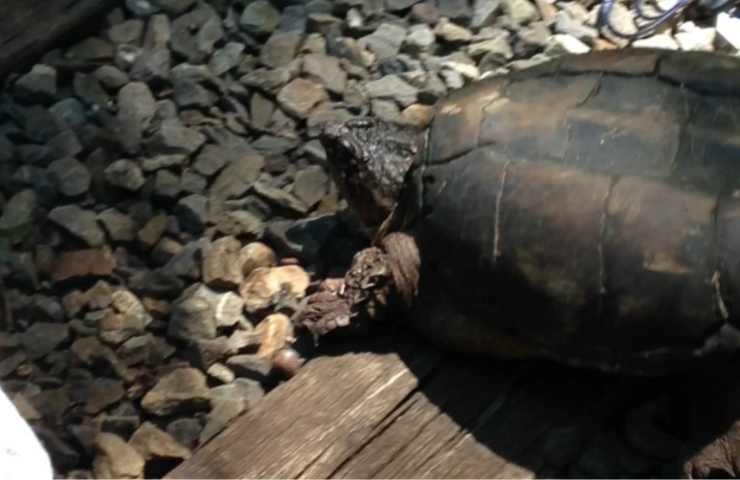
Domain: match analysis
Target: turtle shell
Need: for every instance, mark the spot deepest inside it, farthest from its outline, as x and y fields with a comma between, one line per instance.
x=587, y=209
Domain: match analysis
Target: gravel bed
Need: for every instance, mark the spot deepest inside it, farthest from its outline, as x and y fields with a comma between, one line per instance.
x=166, y=203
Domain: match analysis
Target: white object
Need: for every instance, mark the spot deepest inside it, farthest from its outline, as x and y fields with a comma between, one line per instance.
x=728, y=28
x=21, y=454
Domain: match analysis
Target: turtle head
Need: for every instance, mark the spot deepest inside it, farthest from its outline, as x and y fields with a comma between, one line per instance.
x=369, y=159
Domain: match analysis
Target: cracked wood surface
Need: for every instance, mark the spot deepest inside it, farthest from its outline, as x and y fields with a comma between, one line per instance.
x=407, y=411
x=30, y=28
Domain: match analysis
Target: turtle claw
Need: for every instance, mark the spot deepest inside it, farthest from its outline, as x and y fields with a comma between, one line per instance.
x=719, y=459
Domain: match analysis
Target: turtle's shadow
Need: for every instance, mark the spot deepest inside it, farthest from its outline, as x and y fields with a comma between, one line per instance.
x=559, y=421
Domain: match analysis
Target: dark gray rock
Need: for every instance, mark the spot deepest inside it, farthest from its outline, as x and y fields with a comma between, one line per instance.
x=153, y=443
x=221, y=267
x=174, y=137
x=39, y=124
x=70, y=112
x=304, y=238
x=89, y=90
x=250, y=366
x=393, y=87
x=190, y=94
x=240, y=173
x=152, y=66
x=294, y=18
x=226, y=58
x=158, y=162
x=181, y=391
x=192, y=213
x=300, y=96
x=38, y=85
x=209, y=34
x=158, y=32
x=78, y=222
x=42, y=338
x=91, y=49
x=120, y=227
x=259, y=18
x=484, y=13
x=280, y=49
x=114, y=457
x=111, y=77
x=102, y=393
x=166, y=184
x=136, y=109
x=459, y=11
x=192, y=182
x=70, y=176
x=279, y=197
x=262, y=110
x=240, y=223
x=63, y=455
x=174, y=7
x=425, y=12
x=386, y=110
x=185, y=430
x=396, y=5
x=421, y=38
x=192, y=317
x=126, y=32
x=125, y=174
x=385, y=41
x=310, y=185
x=142, y=8
x=156, y=283
x=65, y=144
x=327, y=70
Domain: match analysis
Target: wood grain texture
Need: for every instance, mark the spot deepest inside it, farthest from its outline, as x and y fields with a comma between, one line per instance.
x=31, y=27
x=408, y=411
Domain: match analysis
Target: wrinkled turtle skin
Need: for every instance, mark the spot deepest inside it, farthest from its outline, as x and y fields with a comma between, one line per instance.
x=586, y=210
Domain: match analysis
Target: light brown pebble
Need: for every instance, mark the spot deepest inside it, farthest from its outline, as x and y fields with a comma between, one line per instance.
x=264, y=285
x=255, y=255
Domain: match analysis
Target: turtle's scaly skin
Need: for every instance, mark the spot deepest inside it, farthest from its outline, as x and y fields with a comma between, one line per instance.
x=586, y=209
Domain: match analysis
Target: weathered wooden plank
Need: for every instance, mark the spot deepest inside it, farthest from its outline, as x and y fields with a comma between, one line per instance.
x=315, y=422
x=452, y=401
x=31, y=27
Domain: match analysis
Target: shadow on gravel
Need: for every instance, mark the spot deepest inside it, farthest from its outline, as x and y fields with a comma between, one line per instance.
x=563, y=422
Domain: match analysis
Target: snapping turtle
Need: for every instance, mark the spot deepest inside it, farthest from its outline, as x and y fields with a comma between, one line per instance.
x=586, y=210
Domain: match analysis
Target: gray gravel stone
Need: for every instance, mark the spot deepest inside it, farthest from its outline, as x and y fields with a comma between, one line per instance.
x=190, y=94
x=120, y=227
x=125, y=174
x=153, y=65
x=226, y=58
x=174, y=137
x=38, y=85
x=327, y=70
x=70, y=176
x=300, y=96
x=111, y=77
x=158, y=32
x=166, y=184
x=102, y=393
x=158, y=162
x=115, y=458
x=393, y=87
x=181, y=391
x=280, y=49
x=42, y=338
x=69, y=112
x=174, y=7
x=185, y=430
x=126, y=32
x=192, y=213
x=385, y=41
x=142, y=8
x=91, y=49
x=209, y=34
x=221, y=268
x=520, y=11
x=78, y=222
x=259, y=18
x=310, y=185
x=152, y=442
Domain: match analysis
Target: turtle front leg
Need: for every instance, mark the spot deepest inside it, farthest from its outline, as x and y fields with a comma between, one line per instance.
x=375, y=279
x=719, y=459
